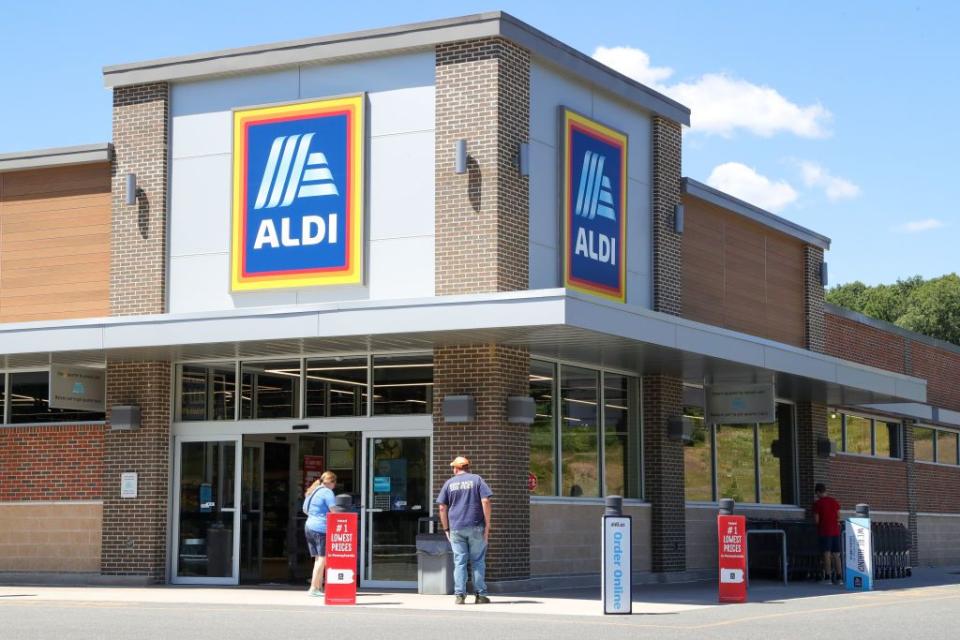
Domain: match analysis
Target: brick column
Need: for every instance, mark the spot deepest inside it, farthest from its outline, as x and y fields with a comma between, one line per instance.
x=498, y=451
x=482, y=216
x=910, y=460
x=134, y=538
x=813, y=300
x=138, y=240
x=665, y=193
x=811, y=468
x=663, y=473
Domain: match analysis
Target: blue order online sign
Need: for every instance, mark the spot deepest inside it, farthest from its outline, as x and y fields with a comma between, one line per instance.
x=594, y=206
x=297, y=194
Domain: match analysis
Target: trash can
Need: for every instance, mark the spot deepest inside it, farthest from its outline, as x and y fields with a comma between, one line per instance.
x=434, y=560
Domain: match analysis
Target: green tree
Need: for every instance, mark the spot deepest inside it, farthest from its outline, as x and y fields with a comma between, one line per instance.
x=930, y=307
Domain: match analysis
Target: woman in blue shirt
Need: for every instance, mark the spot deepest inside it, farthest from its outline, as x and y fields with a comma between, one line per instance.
x=316, y=505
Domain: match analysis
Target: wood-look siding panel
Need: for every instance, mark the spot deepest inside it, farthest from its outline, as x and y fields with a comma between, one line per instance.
x=741, y=275
x=55, y=243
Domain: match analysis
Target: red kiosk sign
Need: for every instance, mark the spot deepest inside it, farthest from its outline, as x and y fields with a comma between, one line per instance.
x=341, y=587
x=732, y=537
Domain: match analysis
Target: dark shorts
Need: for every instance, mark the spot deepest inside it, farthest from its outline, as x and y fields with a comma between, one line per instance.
x=829, y=544
x=316, y=542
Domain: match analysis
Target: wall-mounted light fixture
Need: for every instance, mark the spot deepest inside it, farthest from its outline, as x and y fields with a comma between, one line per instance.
x=130, y=194
x=823, y=274
x=521, y=410
x=124, y=418
x=459, y=408
x=678, y=218
x=523, y=159
x=460, y=161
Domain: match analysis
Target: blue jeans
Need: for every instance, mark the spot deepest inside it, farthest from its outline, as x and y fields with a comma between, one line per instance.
x=468, y=543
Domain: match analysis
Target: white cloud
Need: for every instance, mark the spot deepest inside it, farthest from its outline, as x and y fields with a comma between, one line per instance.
x=632, y=62
x=745, y=183
x=918, y=226
x=836, y=188
x=721, y=104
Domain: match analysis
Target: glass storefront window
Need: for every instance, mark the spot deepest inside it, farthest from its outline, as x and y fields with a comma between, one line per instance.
x=579, y=440
x=887, y=435
x=771, y=452
x=947, y=447
x=270, y=389
x=402, y=384
x=207, y=481
x=859, y=438
x=30, y=401
x=835, y=429
x=736, y=463
x=923, y=444
x=208, y=391
x=336, y=387
x=697, y=448
x=543, y=432
x=621, y=463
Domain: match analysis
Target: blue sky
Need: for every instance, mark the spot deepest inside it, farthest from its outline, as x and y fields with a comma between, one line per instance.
x=834, y=115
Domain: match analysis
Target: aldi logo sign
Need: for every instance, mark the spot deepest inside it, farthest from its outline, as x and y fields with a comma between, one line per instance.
x=298, y=194
x=594, y=206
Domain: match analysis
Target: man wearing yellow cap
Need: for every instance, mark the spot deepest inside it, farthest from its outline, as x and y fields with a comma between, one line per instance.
x=465, y=517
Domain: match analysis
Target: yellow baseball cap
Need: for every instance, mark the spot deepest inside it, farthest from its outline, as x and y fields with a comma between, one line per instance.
x=460, y=461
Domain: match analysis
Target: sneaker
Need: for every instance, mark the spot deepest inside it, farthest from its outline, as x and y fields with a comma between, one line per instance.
x=460, y=599
x=481, y=599
x=825, y=581
x=316, y=593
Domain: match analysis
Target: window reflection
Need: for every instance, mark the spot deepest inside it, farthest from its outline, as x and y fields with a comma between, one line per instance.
x=579, y=443
x=736, y=463
x=402, y=384
x=207, y=391
x=542, y=431
x=30, y=401
x=270, y=389
x=621, y=455
x=697, y=461
x=336, y=387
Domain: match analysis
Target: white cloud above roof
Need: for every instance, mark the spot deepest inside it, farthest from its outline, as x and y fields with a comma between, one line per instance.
x=919, y=226
x=744, y=182
x=721, y=104
x=815, y=176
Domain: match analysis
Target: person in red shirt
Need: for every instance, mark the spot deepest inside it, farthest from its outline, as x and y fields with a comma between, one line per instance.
x=826, y=513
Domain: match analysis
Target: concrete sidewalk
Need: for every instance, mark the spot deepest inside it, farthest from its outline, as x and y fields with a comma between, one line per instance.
x=649, y=600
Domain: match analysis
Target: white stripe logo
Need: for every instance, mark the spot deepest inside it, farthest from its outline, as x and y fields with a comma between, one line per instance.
x=594, y=198
x=293, y=172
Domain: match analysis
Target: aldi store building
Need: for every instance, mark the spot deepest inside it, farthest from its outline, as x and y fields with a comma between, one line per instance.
x=375, y=251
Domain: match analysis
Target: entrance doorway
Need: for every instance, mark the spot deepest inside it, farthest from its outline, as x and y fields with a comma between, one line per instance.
x=237, y=504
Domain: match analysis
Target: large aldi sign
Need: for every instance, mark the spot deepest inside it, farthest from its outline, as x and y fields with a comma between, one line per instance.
x=298, y=194
x=594, y=199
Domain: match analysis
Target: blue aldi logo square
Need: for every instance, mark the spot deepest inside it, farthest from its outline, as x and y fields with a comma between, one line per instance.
x=297, y=194
x=594, y=206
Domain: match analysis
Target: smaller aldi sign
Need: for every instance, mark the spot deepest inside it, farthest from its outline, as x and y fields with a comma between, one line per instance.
x=341, y=569
x=298, y=194
x=732, y=556
x=594, y=196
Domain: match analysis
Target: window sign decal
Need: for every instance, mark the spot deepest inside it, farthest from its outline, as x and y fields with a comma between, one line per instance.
x=594, y=206
x=298, y=194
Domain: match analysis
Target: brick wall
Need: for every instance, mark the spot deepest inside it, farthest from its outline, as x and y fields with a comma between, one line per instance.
x=938, y=488
x=138, y=236
x=51, y=463
x=134, y=530
x=880, y=483
x=663, y=473
x=499, y=451
x=862, y=343
x=482, y=216
x=665, y=194
x=811, y=468
x=941, y=369
x=814, y=299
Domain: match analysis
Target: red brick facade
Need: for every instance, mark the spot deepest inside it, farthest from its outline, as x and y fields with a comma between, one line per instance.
x=57, y=462
x=938, y=488
x=880, y=483
x=858, y=342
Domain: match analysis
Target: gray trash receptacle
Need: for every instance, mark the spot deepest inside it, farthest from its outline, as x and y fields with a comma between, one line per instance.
x=434, y=564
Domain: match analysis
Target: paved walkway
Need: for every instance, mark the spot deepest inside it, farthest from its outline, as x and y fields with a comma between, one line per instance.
x=648, y=600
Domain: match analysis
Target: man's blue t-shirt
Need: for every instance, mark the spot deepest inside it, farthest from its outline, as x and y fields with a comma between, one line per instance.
x=463, y=494
x=316, y=506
